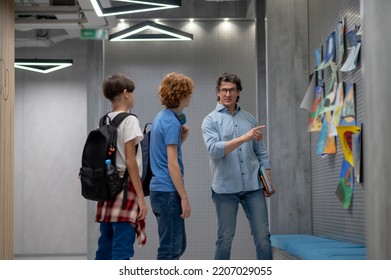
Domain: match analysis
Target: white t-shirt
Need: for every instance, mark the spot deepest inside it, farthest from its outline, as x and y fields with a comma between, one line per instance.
x=128, y=129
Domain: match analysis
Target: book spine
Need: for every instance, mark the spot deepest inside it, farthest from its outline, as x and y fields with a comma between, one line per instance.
x=265, y=179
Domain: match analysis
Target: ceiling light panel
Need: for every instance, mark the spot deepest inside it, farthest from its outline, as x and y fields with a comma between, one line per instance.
x=121, y=7
x=150, y=31
x=42, y=65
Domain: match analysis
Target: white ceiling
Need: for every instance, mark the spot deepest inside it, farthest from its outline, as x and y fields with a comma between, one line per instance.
x=43, y=23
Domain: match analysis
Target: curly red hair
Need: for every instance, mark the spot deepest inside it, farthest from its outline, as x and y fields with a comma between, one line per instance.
x=173, y=88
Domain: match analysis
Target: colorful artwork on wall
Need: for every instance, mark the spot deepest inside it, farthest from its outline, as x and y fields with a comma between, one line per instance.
x=348, y=114
x=330, y=143
x=345, y=187
x=336, y=119
x=345, y=138
x=322, y=136
x=329, y=101
x=330, y=51
x=315, y=122
x=357, y=154
x=349, y=174
x=308, y=99
x=340, y=40
x=354, y=40
x=318, y=62
x=333, y=114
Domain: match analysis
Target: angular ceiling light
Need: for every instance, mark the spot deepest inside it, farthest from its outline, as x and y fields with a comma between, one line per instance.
x=165, y=33
x=133, y=6
x=42, y=65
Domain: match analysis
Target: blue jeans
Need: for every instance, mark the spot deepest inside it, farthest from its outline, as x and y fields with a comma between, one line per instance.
x=254, y=206
x=116, y=241
x=171, y=227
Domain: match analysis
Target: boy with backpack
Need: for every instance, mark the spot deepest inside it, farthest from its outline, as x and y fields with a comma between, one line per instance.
x=121, y=222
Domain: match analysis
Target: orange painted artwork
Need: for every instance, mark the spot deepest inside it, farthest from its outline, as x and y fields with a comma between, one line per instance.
x=314, y=122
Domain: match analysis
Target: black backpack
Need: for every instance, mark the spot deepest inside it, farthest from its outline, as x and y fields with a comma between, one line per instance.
x=101, y=144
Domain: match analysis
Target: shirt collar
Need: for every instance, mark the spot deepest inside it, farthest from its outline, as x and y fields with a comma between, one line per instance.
x=221, y=108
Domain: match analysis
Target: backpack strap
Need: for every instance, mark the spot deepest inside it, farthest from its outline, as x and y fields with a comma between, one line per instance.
x=103, y=120
x=116, y=121
x=144, y=133
x=125, y=185
x=146, y=126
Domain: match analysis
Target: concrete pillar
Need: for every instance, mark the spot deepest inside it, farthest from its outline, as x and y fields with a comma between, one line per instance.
x=377, y=129
x=288, y=140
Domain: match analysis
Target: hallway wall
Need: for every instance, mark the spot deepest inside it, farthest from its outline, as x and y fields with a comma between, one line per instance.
x=50, y=130
x=329, y=217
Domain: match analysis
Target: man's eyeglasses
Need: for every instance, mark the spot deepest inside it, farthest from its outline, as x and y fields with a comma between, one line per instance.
x=230, y=90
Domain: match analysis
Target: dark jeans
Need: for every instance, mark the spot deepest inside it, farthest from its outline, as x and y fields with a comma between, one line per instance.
x=116, y=241
x=254, y=206
x=171, y=227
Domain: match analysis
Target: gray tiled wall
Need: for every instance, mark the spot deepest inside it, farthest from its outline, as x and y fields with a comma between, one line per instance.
x=329, y=218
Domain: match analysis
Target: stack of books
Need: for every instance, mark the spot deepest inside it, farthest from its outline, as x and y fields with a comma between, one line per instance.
x=265, y=180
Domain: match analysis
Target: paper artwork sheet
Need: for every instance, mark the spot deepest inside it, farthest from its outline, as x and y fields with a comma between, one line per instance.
x=351, y=62
x=336, y=118
x=308, y=99
x=314, y=122
x=345, y=187
x=345, y=138
x=318, y=61
x=359, y=31
x=330, y=99
x=354, y=52
x=348, y=114
x=340, y=40
x=330, y=51
x=322, y=136
x=331, y=147
x=326, y=144
x=356, y=148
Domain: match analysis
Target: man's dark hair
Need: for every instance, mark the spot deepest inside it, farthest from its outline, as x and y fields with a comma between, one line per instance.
x=229, y=78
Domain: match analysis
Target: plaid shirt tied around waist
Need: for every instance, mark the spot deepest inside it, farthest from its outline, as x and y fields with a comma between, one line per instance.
x=111, y=211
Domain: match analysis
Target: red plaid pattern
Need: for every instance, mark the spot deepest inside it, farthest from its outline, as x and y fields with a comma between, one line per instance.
x=111, y=211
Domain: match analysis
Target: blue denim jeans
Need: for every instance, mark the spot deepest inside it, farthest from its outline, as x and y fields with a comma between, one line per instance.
x=171, y=227
x=116, y=241
x=254, y=206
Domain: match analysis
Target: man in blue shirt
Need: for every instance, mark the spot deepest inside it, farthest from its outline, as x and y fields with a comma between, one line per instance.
x=236, y=151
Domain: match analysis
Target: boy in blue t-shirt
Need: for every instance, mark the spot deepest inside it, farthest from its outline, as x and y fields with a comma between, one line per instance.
x=168, y=195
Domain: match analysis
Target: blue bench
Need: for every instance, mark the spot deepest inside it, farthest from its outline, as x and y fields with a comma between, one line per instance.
x=311, y=247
